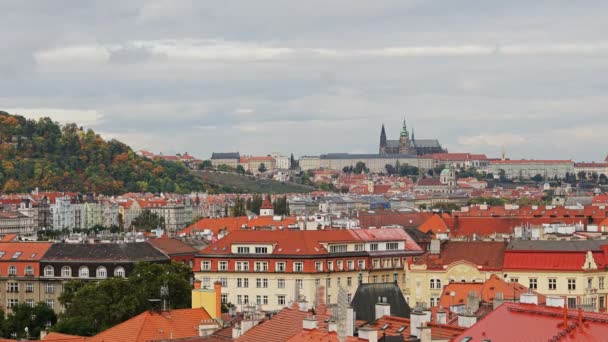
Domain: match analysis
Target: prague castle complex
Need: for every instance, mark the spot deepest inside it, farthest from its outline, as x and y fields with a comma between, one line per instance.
x=406, y=145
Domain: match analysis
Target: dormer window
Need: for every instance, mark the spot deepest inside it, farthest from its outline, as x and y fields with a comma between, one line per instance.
x=242, y=250
x=261, y=250
x=16, y=255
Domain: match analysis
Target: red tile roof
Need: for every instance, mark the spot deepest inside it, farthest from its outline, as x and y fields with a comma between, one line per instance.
x=457, y=156
x=317, y=335
x=594, y=165
x=600, y=199
x=171, y=246
x=531, y=323
x=435, y=224
x=58, y=337
x=551, y=260
x=153, y=326
x=383, y=218
x=429, y=182
x=484, y=254
x=266, y=204
x=438, y=331
x=30, y=251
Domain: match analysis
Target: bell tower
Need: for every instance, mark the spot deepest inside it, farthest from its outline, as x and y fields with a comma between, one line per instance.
x=404, y=140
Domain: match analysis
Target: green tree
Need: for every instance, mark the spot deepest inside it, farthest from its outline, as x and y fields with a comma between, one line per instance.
x=147, y=221
x=35, y=319
x=390, y=169
x=537, y=177
x=239, y=208
x=240, y=169
x=205, y=165
x=360, y=167
x=95, y=306
x=262, y=168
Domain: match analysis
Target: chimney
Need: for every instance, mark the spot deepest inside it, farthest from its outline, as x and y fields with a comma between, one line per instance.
x=425, y=334
x=350, y=321
x=442, y=317
x=473, y=301
x=528, y=298
x=417, y=320
x=217, y=286
x=382, y=308
x=332, y=326
x=368, y=333
x=435, y=246
x=206, y=327
x=309, y=323
x=466, y=319
x=303, y=305
x=555, y=301
x=499, y=298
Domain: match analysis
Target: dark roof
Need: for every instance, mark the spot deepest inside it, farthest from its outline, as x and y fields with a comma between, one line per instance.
x=559, y=246
x=427, y=143
x=364, y=156
x=172, y=246
x=98, y=252
x=418, y=236
x=392, y=143
x=225, y=155
x=365, y=300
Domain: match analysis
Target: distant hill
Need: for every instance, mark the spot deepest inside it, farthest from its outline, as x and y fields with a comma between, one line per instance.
x=42, y=154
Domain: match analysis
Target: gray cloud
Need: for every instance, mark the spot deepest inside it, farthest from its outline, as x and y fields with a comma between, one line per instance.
x=316, y=76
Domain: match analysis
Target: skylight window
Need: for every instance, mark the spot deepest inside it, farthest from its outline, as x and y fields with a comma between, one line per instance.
x=2, y=253
x=17, y=255
x=33, y=255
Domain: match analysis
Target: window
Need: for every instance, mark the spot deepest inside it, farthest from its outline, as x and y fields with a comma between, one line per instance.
x=12, y=270
x=299, y=284
x=396, y=263
x=246, y=299
x=83, y=272
x=351, y=265
x=242, y=282
x=101, y=272
x=572, y=303
x=328, y=282
x=349, y=281
x=265, y=299
x=12, y=287
x=391, y=246
x=552, y=283
x=376, y=263
x=359, y=247
x=317, y=283
x=29, y=271
x=239, y=299
x=223, y=266
x=66, y=271
x=261, y=266
x=206, y=282
x=434, y=301
x=261, y=250
x=361, y=264
x=373, y=247
x=515, y=280
x=330, y=265
x=29, y=287
x=205, y=265
x=571, y=284
x=280, y=267
x=29, y=302
x=533, y=283
x=350, y=297
x=224, y=282
x=258, y=299
x=340, y=265
x=49, y=288
x=242, y=266
x=375, y=279
x=298, y=267
x=281, y=299
x=242, y=250
x=338, y=249
x=49, y=271
x=11, y=302
x=224, y=298
x=600, y=283
x=319, y=266
x=383, y=278
x=119, y=272
x=281, y=283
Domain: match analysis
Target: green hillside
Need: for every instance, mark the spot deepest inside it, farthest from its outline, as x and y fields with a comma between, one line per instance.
x=42, y=154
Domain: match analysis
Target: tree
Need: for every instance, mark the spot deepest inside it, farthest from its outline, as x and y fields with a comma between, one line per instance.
x=95, y=306
x=538, y=177
x=360, y=167
x=256, y=203
x=205, y=165
x=582, y=175
x=390, y=169
x=147, y=221
x=262, y=168
x=35, y=319
x=292, y=162
x=239, y=207
x=603, y=179
x=280, y=206
x=240, y=169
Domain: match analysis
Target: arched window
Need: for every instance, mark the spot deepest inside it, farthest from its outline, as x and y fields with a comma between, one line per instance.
x=437, y=283
x=12, y=270
x=101, y=272
x=49, y=271
x=29, y=271
x=83, y=272
x=119, y=272
x=432, y=283
x=66, y=272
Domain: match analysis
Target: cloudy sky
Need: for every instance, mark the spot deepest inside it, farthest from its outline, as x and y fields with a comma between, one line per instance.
x=315, y=76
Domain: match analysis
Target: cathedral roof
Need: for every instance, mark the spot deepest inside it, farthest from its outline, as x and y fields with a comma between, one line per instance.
x=427, y=143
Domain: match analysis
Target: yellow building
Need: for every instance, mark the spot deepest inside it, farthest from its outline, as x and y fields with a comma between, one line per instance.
x=451, y=261
x=208, y=299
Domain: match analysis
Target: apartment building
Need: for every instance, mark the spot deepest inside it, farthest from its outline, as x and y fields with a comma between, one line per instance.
x=273, y=269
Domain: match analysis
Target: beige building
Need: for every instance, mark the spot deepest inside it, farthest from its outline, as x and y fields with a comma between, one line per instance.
x=528, y=168
x=374, y=162
x=229, y=159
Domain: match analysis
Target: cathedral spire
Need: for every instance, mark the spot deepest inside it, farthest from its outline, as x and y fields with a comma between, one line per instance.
x=404, y=129
x=382, y=141
x=413, y=137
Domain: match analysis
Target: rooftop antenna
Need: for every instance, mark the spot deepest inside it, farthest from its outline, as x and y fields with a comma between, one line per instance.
x=164, y=293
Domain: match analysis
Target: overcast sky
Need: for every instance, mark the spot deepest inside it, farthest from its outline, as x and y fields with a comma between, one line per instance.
x=315, y=76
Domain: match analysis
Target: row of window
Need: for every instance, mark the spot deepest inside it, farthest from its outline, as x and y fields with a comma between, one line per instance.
x=28, y=270
x=10, y=302
x=297, y=266
x=29, y=287
x=83, y=272
x=263, y=283
x=571, y=283
x=263, y=299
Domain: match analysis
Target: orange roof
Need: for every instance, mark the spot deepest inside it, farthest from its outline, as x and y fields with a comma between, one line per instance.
x=434, y=224
x=266, y=204
x=266, y=221
x=216, y=224
x=8, y=238
x=58, y=337
x=438, y=331
x=318, y=335
x=29, y=251
x=153, y=326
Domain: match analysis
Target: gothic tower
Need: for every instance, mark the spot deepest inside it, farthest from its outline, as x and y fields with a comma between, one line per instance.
x=404, y=141
x=382, y=141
